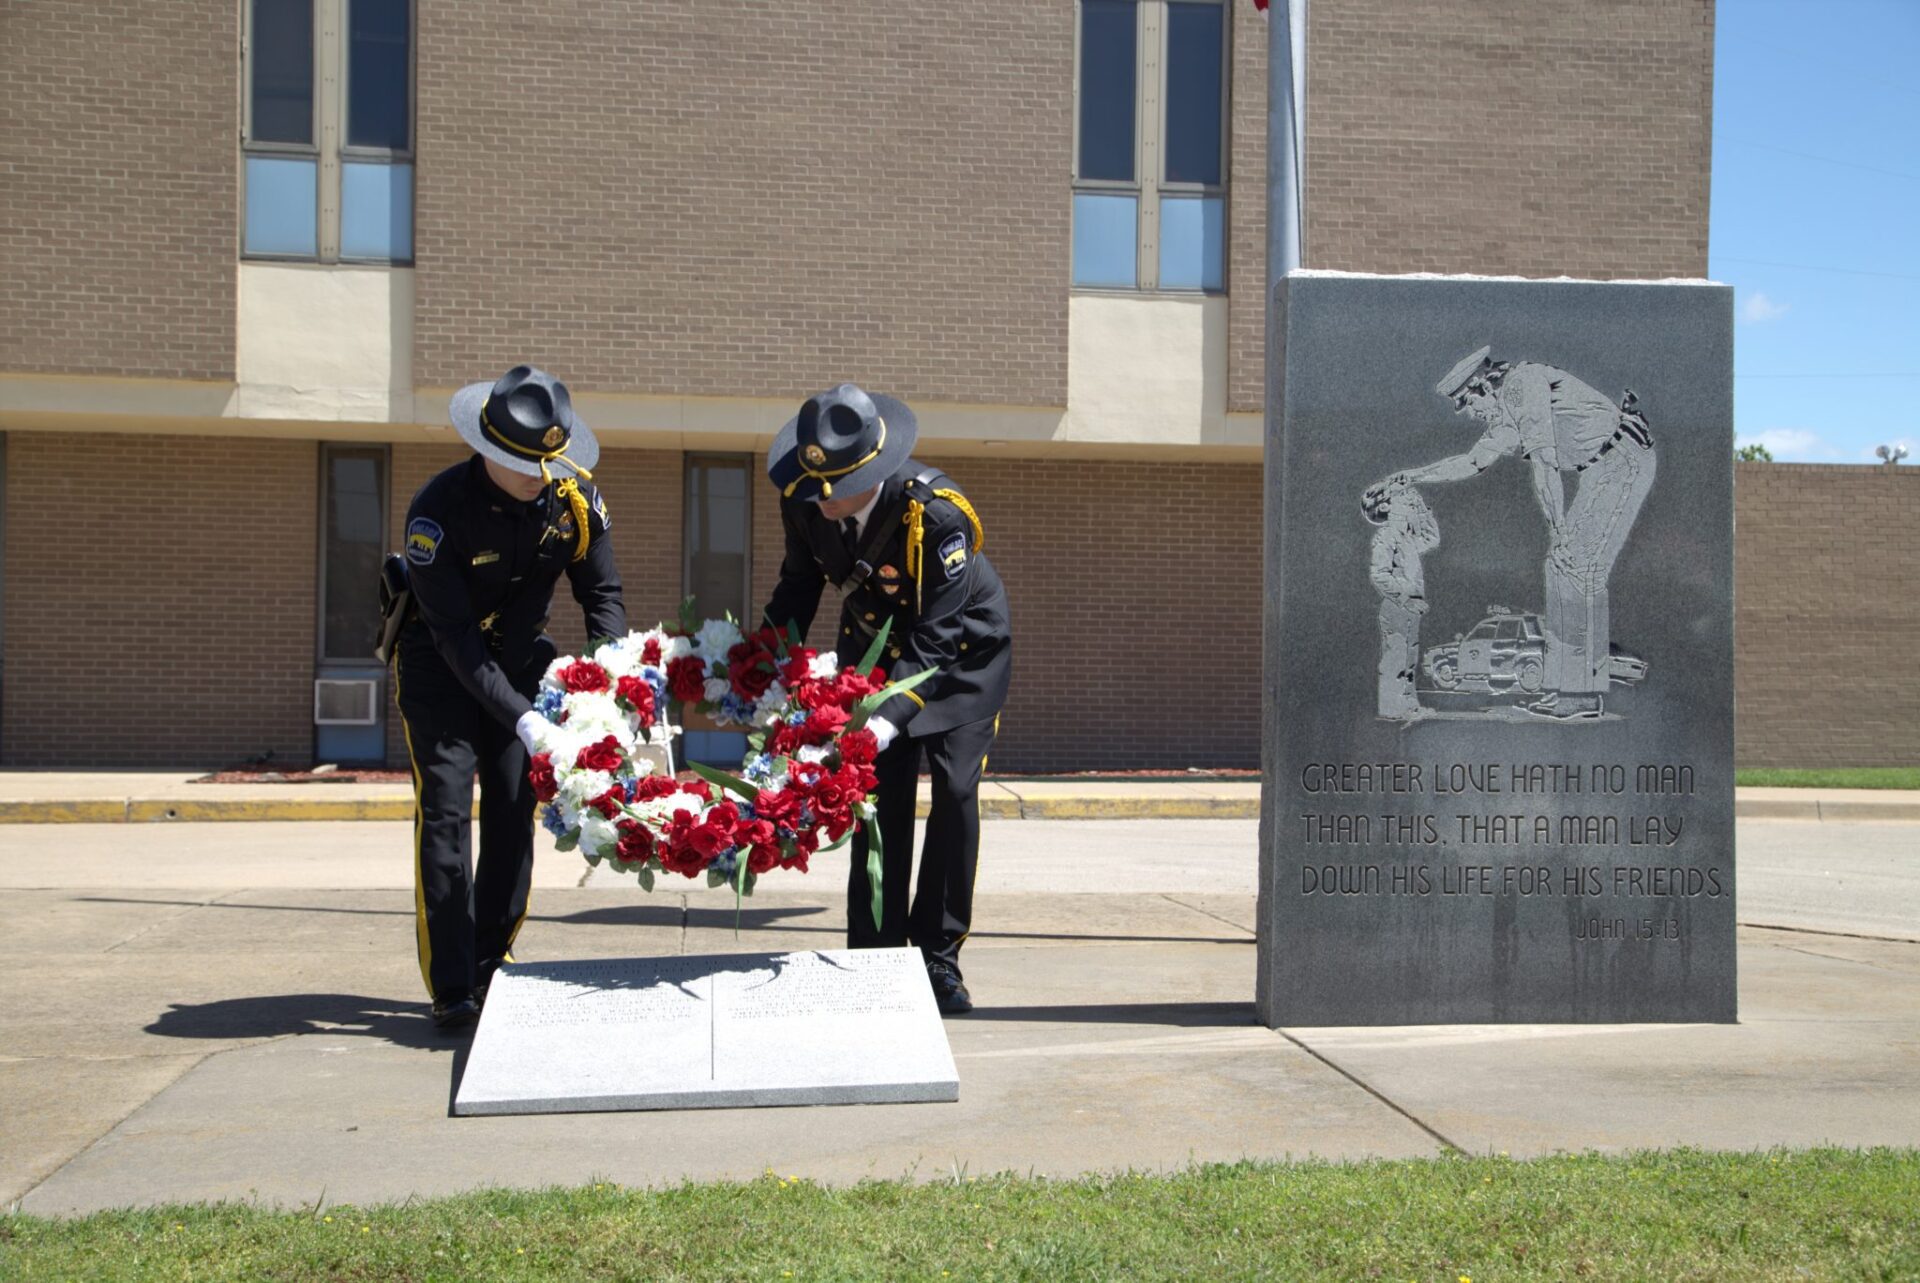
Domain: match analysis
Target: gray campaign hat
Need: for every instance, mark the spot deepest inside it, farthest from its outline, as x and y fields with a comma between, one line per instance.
x=524, y=421
x=845, y=439
x=1457, y=377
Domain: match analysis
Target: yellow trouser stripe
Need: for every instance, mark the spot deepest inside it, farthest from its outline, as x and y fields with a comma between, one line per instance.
x=423, y=941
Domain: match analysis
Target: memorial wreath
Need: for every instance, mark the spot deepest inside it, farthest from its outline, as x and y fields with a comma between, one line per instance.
x=804, y=786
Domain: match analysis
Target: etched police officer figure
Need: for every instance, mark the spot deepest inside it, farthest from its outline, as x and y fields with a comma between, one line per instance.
x=1406, y=532
x=1568, y=433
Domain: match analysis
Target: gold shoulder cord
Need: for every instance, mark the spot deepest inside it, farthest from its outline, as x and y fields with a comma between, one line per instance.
x=916, y=534
x=582, y=534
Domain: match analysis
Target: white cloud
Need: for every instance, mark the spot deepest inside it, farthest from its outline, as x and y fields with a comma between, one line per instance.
x=1793, y=445
x=1760, y=308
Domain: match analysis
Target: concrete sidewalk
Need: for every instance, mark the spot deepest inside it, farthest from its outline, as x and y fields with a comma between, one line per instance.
x=108, y=797
x=229, y=1011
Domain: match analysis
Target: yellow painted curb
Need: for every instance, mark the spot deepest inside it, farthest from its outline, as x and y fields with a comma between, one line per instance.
x=190, y=811
x=104, y=812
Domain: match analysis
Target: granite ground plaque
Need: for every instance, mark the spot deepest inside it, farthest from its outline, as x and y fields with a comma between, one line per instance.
x=1499, y=653
x=830, y=1027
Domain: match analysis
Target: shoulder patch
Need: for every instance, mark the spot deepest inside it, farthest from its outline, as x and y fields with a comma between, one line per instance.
x=953, y=554
x=600, y=510
x=423, y=540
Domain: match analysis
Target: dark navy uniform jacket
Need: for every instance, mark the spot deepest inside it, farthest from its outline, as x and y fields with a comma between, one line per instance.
x=483, y=566
x=954, y=618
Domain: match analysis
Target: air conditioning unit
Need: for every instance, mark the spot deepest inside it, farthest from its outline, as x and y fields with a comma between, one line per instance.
x=343, y=702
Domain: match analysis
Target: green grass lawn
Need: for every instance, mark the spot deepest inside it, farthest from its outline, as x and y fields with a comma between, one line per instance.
x=1850, y=777
x=1820, y=1214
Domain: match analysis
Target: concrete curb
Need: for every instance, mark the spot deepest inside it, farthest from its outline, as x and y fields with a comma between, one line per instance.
x=1003, y=806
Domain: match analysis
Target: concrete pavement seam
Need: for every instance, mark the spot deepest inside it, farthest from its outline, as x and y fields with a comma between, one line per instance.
x=112, y=1127
x=1374, y=1092
x=170, y=918
x=1173, y=897
x=1815, y=931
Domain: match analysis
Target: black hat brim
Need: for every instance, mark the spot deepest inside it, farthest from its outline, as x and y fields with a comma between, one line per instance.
x=583, y=448
x=903, y=429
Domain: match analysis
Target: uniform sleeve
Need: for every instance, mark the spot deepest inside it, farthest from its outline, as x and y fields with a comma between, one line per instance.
x=446, y=607
x=796, y=598
x=595, y=581
x=946, y=574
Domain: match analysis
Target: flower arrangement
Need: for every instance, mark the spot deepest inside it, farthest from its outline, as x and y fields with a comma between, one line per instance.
x=805, y=785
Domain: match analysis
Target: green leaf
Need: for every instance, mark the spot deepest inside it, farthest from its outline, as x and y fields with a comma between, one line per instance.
x=715, y=878
x=688, y=620
x=567, y=841
x=868, y=706
x=874, y=853
x=874, y=651
x=839, y=842
x=645, y=874
x=732, y=783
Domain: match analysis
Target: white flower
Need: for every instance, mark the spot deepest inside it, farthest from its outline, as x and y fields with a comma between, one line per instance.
x=716, y=689
x=767, y=709
x=596, y=715
x=551, y=682
x=597, y=833
x=620, y=657
x=813, y=753
x=577, y=788
x=672, y=648
x=716, y=637
x=563, y=745
x=823, y=666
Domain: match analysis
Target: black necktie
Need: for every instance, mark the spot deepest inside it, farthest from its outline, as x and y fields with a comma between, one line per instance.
x=850, y=536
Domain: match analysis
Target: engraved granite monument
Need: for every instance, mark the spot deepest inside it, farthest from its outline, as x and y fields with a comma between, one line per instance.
x=1499, y=653
x=825, y=1027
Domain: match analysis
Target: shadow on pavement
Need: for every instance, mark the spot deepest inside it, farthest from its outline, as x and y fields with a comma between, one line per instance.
x=280, y=1015
x=1181, y=1015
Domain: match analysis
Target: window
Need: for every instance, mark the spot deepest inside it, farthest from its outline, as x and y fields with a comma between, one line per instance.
x=718, y=570
x=1149, y=192
x=328, y=153
x=348, y=726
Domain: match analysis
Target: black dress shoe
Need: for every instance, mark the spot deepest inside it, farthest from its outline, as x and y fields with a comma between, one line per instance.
x=949, y=990
x=456, y=1012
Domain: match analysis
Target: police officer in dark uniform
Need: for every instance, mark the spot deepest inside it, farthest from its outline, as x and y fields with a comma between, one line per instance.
x=486, y=541
x=903, y=544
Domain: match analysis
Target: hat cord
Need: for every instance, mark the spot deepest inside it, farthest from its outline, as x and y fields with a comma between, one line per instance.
x=822, y=474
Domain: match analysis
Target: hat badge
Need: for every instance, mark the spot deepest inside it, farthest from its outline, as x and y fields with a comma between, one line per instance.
x=814, y=456
x=555, y=436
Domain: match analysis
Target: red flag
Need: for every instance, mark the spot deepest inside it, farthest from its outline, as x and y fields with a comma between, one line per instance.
x=1261, y=5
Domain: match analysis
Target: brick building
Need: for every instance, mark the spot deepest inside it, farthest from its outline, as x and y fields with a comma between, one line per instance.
x=240, y=292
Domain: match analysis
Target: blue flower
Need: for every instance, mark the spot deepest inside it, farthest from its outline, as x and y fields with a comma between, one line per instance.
x=553, y=821
x=548, y=703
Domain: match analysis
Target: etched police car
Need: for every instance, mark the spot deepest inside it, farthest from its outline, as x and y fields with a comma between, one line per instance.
x=1507, y=651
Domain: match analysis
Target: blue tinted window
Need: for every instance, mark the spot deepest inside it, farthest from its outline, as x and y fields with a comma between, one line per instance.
x=1109, y=41
x=281, y=213
x=379, y=64
x=1105, y=240
x=1192, y=144
x=1191, y=243
x=280, y=44
x=376, y=211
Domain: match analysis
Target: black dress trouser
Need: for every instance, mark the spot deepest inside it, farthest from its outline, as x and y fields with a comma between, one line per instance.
x=466, y=912
x=941, y=912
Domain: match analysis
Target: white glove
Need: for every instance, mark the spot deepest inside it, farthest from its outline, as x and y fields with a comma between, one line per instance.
x=883, y=731
x=532, y=728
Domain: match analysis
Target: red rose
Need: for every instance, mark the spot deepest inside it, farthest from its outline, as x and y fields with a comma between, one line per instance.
x=583, y=675
x=799, y=659
x=649, y=787
x=636, y=841
x=687, y=679
x=650, y=652
x=637, y=694
x=750, y=672
x=859, y=748
x=676, y=848
x=713, y=836
x=826, y=722
x=784, y=739
x=699, y=788
x=762, y=843
x=540, y=772
x=781, y=806
x=608, y=803
x=831, y=796
x=604, y=756
x=811, y=695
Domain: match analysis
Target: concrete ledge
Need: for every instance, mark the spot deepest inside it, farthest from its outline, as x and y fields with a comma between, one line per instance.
x=1006, y=799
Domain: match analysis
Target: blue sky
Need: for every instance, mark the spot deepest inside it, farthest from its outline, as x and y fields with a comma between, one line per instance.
x=1816, y=165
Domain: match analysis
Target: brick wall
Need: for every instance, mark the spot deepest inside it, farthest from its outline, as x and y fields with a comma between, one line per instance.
x=716, y=196
x=1826, y=614
x=644, y=491
x=1454, y=136
x=160, y=600
x=117, y=159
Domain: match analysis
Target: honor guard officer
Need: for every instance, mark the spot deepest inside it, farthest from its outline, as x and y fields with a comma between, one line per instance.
x=903, y=544
x=486, y=541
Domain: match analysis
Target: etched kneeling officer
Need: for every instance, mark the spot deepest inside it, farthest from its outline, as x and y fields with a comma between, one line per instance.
x=902, y=543
x=486, y=542
x=1563, y=429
